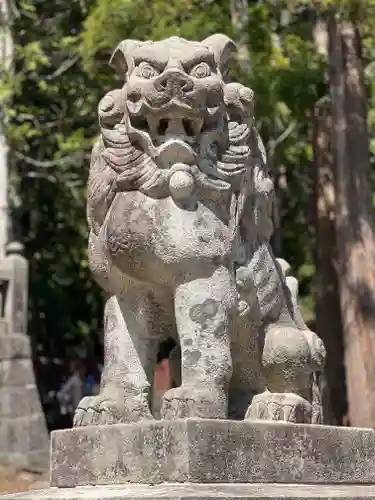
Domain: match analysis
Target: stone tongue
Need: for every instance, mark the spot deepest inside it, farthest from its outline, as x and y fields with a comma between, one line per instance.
x=175, y=151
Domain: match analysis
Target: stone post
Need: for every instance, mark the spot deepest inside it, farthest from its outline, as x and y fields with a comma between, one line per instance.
x=23, y=431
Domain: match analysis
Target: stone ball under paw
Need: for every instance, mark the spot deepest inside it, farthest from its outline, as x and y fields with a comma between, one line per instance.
x=181, y=185
x=286, y=359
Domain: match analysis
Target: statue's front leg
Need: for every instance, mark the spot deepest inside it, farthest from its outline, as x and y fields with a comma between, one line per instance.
x=203, y=309
x=129, y=361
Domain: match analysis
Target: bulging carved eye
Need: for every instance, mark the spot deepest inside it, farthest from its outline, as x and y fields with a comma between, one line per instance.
x=201, y=70
x=147, y=71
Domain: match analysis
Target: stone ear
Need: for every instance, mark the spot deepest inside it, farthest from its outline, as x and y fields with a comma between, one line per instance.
x=119, y=58
x=222, y=47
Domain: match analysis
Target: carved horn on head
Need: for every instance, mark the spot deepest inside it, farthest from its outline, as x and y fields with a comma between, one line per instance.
x=119, y=58
x=222, y=47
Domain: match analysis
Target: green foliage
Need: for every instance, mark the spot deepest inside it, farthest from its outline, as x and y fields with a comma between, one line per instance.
x=51, y=128
x=111, y=21
x=102, y=27
x=288, y=77
x=62, y=52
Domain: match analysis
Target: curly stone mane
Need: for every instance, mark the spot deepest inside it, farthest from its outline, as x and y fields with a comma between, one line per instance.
x=239, y=168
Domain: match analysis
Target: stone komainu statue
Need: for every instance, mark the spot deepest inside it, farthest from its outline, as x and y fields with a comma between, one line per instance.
x=179, y=204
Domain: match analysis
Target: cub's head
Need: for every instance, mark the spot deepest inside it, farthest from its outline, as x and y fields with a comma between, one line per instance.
x=173, y=89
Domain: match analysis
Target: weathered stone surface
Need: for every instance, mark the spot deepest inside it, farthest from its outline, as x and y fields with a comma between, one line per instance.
x=212, y=451
x=179, y=210
x=202, y=492
x=4, y=327
x=17, y=372
x=14, y=345
x=19, y=401
x=22, y=435
x=24, y=438
x=15, y=270
x=34, y=460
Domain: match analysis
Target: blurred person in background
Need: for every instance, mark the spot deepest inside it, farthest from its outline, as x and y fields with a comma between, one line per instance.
x=71, y=393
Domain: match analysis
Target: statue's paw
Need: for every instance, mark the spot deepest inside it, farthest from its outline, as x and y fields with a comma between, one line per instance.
x=190, y=402
x=113, y=408
x=283, y=407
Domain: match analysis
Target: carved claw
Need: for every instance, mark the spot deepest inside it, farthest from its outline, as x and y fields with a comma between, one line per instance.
x=283, y=407
x=193, y=402
x=106, y=409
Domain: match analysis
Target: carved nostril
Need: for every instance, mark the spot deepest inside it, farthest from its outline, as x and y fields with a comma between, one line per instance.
x=174, y=80
x=162, y=83
x=187, y=86
x=134, y=96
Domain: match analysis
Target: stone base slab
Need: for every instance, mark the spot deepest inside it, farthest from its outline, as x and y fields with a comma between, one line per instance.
x=202, y=492
x=212, y=451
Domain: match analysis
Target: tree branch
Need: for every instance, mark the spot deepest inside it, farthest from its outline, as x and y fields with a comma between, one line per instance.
x=64, y=66
x=36, y=175
x=45, y=164
x=273, y=143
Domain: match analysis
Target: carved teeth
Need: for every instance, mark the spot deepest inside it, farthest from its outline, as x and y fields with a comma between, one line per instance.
x=212, y=111
x=164, y=126
x=152, y=125
x=197, y=126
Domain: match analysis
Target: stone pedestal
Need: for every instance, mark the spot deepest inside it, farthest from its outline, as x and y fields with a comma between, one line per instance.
x=212, y=451
x=204, y=459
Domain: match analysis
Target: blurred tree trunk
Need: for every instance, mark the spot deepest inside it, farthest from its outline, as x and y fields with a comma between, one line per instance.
x=240, y=17
x=6, y=67
x=327, y=302
x=353, y=219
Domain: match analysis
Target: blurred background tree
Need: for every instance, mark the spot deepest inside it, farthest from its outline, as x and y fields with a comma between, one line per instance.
x=61, y=71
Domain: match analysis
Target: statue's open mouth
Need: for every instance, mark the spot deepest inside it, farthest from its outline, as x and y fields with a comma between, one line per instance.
x=164, y=128
x=168, y=126
x=174, y=121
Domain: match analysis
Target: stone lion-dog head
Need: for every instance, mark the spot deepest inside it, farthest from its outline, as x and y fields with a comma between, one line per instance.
x=174, y=104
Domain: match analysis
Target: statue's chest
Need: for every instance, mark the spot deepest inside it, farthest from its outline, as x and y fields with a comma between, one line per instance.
x=160, y=230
